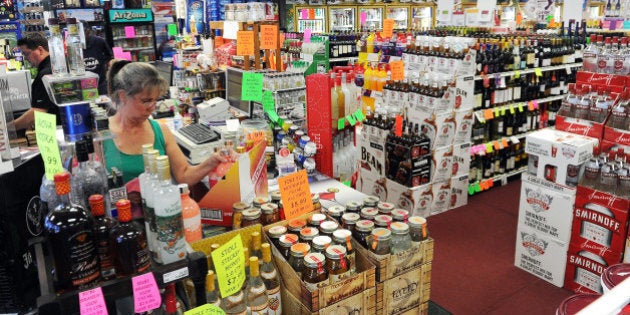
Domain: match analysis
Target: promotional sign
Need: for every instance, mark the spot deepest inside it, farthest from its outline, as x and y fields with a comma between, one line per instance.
x=130, y=15
x=194, y=16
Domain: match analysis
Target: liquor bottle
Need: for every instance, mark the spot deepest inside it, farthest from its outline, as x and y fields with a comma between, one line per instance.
x=102, y=228
x=256, y=246
x=235, y=304
x=257, y=299
x=128, y=243
x=191, y=214
x=170, y=243
x=171, y=305
x=270, y=277
x=70, y=233
x=88, y=178
x=145, y=179
x=605, y=58
x=55, y=49
x=590, y=55
x=212, y=296
x=75, y=48
x=620, y=58
x=591, y=173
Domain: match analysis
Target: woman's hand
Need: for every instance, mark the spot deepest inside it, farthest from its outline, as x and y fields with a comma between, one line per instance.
x=214, y=160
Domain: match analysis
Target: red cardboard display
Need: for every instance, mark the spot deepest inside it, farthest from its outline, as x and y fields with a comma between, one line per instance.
x=584, y=269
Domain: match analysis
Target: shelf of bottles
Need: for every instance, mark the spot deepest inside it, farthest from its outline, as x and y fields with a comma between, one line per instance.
x=196, y=82
x=31, y=16
x=141, y=45
x=289, y=96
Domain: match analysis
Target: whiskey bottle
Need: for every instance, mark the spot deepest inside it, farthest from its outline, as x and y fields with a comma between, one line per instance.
x=128, y=243
x=102, y=228
x=70, y=234
x=271, y=279
x=212, y=296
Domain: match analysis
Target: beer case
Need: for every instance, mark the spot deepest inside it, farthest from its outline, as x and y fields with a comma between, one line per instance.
x=540, y=255
x=546, y=211
x=585, y=267
x=459, y=191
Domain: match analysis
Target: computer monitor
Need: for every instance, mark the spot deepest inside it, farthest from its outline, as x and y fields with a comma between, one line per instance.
x=234, y=83
x=165, y=69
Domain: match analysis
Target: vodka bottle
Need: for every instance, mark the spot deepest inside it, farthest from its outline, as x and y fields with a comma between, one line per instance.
x=605, y=58
x=271, y=278
x=88, y=178
x=608, y=177
x=590, y=55
x=55, y=48
x=257, y=299
x=75, y=48
x=591, y=173
x=619, y=58
x=170, y=242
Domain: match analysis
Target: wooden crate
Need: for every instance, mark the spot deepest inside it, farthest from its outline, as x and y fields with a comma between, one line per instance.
x=203, y=245
x=328, y=294
x=363, y=303
x=392, y=265
x=404, y=294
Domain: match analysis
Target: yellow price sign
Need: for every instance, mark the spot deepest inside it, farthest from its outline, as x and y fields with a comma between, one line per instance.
x=206, y=309
x=229, y=263
x=46, y=134
x=296, y=194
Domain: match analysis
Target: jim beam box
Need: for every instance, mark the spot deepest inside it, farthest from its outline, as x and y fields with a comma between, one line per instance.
x=459, y=191
x=540, y=255
x=442, y=164
x=545, y=210
x=417, y=200
x=464, y=120
x=442, y=196
x=461, y=159
x=600, y=221
x=372, y=148
x=373, y=185
x=585, y=267
x=446, y=126
x=400, y=294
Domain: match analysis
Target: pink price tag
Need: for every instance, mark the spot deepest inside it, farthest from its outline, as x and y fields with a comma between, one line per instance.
x=363, y=18
x=118, y=51
x=91, y=302
x=146, y=295
x=307, y=35
x=130, y=31
x=535, y=104
x=304, y=13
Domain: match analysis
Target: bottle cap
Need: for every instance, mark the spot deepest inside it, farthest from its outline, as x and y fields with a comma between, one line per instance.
x=80, y=148
x=62, y=183
x=210, y=281
x=266, y=252
x=71, y=20
x=97, y=204
x=124, y=210
x=183, y=189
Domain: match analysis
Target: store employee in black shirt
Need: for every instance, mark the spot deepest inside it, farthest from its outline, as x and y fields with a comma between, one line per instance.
x=97, y=56
x=35, y=49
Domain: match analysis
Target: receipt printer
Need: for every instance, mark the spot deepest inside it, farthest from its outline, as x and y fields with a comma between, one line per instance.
x=215, y=109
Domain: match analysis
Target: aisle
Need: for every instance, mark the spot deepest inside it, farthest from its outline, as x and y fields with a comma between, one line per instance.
x=473, y=268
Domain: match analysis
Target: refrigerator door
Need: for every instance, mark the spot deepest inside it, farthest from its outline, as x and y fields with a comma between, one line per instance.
x=342, y=18
x=400, y=15
x=132, y=31
x=371, y=18
x=313, y=18
x=422, y=17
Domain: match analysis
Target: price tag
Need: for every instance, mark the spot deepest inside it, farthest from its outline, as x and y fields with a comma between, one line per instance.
x=388, y=28
x=398, y=70
x=351, y=120
x=171, y=29
x=535, y=104
x=46, y=135
x=496, y=145
x=296, y=194
x=229, y=264
x=512, y=110
x=268, y=36
x=487, y=114
x=268, y=102
x=398, y=125
x=520, y=107
x=503, y=111
x=91, y=302
x=359, y=115
x=477, y=187
x=146, y=295
x=504, y=141
x=517, y=74
x=245, y=43
x=130, y=31
x=538, y=72
x=206, y=309
x=341, y=123
x=307, y=35
x=530, y=105
x=175, y=275
x=497, y=113
x=363, y=18
x=229, y=29
x=471, y=190
x=568, y=70
x=489, y=148
x=251, y=89
x=304, y=14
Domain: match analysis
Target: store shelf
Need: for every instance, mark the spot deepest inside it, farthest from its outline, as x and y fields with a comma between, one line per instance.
x=499, y=180
x=287, y=90
x=524, y=103
x=532, y=70
x=137, y=36
x=137, y=48
x=342, y=59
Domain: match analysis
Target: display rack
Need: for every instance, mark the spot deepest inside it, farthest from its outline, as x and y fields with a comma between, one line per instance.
x=255, y=27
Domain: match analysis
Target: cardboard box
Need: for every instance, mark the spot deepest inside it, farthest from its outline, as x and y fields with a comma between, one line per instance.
x=394, y=265
x=459, y=191
x=540, y=255
x=461, y=159
x=405, y=292
x=618, y=136
x=445, y=129
x=580, y=126
x=441, y=197
x=584, y=269
x=363, y=303
x=372, y=147
x=464, y=120
x=442, y=164
x=417, y=200
x=546, y=211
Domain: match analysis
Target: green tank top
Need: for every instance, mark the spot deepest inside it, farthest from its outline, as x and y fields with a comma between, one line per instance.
x=132, y=165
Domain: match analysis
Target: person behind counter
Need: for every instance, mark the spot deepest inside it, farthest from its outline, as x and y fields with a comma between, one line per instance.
x=96, y=56
x=35, y=49
x=134, y=88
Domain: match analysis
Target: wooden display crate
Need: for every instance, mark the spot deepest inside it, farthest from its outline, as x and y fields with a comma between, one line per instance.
x=392, y=265
x=406, y=293
x=363, y=303
x=203, y=245
x=328, y=294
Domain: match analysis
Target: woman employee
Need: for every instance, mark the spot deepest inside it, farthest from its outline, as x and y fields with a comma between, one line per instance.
x=134, y=88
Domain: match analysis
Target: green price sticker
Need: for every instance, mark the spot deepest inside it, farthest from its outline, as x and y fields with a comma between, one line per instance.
x=172, y=29
x=471, y=190
x=538, y=72
x=251, y=89
x=347, y=183
x=503, y=111
x=477, y=187
x=268, y=102
x=46, y=135
x=517, y=74
x=341, y=123
x=489, y=148
x=229, y=263
x=520, y=107
x=512, y=110
x=359, y=115
x=496, y=112
x=351, y=120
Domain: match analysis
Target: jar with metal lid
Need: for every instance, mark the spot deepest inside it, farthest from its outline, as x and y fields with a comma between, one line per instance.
x=259, y=201
x=382, y=221
x=237, y=214
x=307, y=234
x=362, y=230
x=337, y=263
x=296, y=260
x=276, y=197
x=418, y=229
x=385, y=207
x=270, y=213
x=316, y=219
x=343, y=238
x=328, y=227
x=296, y=225
x=368, y=213
x=380, y=240
x=400, y=215
x=251, y=216
x=320, y=243
x=317, y=205
x=353, y=206
x=370, y=201
x=336, y=212
x=401, y=240
x=286, y=241
x=275, y=232
x=314, y=274
x=349, y=220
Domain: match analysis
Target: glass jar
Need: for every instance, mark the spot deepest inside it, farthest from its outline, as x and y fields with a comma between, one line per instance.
x=349, y=220
x=296, y=260
x=385, y=208
x=401, y=240
x=296, y=225
x=275, y=232
x=317, y=206
x=380, y=240
x=276, y=197
x=251, y=216
x=362, y=230
x=270, y=213
x=259, y=201
x=328, y=227
x=353, y=206
x=237, y=214
x=336, y=212
x=286, y=241
x=316, y=219
x=400, y=215
x=320, y=243
x=307, y=234
x=370, y=201
x=337, y=263
x=314, y=274
x=418, y=229
x=382, y=221
x=368, y=213
x=343, y=237
x=253, y=129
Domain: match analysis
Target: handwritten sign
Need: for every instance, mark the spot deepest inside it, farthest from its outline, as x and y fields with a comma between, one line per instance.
x=130, y=31
x=245, y=43
x=120, y=54
x=206, y=309
x=398, y=70
x=45, y=133
x=229, y=263
x=388, y=27
x=307, y=35
x=251, y=89
x=146, y=295
x=296, y=194
x=171, y=29
x=269, y=36
x=91, y=302
x=229, y=29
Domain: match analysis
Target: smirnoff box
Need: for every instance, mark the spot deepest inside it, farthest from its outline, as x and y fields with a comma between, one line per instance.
x=585, y=267
x=600, y=221
x=540, y=255
x=546, y=207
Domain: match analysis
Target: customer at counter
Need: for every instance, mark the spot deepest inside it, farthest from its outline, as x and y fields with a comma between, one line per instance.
x=134, y=88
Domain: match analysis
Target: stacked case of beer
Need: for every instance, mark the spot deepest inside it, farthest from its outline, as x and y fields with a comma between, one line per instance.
x=548, y=191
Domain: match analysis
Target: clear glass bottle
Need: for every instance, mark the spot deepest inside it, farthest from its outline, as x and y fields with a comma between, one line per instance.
x=257, y=299
x=362, y=230
x=286, y=241
x=256, y=246
x=55, y=49
x=191, y=214
x=212, y=296
x=234, y=304
x=148, y=184
x=401, y=240
x=102, y=227
x=128, y=243
x=74, y=48
x=270, y=213
x=298, y=251
x=380, y=241
x=86, y=179
x=315, y=274
x=271, y=278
